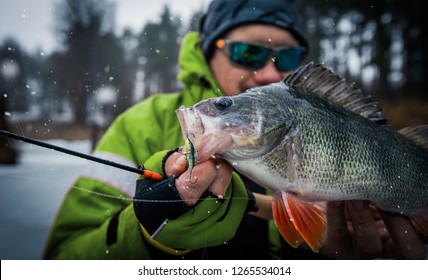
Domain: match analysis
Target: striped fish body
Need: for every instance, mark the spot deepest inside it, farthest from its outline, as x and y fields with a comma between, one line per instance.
x=314, y=137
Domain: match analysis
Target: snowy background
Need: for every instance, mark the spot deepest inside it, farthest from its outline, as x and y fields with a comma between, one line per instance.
x=31, y=193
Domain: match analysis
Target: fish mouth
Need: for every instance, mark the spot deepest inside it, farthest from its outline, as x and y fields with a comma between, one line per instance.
x=190, y=122
x=204, y=132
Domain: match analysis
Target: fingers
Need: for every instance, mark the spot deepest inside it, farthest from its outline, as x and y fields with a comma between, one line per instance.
x=367, y=241
x=212, y=175
x=405, y=243
x=193, y=183
x=338, y=241
x=175, y=165
x=358, y=230
x=223, y=178
x=352, y=231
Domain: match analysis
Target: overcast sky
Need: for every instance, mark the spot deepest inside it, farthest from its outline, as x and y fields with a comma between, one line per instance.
x=31, y=22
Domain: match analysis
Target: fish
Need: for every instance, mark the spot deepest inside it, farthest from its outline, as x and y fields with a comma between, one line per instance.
x=314, y=137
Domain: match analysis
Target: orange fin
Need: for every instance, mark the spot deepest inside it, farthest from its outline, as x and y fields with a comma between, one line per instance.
x=283, y=221
x=299, y=220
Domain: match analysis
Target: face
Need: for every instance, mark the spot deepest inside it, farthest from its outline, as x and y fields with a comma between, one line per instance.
x=234, y=79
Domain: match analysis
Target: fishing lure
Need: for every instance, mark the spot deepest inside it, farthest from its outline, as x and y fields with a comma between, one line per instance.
x=188, y=150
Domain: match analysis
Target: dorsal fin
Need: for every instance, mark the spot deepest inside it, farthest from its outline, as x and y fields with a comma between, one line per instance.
x=418, y=134
x=322, y=81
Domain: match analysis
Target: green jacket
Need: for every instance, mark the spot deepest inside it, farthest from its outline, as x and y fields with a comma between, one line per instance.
x=97, y=220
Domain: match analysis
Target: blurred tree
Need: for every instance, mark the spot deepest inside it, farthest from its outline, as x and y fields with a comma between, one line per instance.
x=13, y=77
x=194, y=20
x=13, y=93
x=387, y=39
x=93, y=57
x=415, y=36
x=158, y=46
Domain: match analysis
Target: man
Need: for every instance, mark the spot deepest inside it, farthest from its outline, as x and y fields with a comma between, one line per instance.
x=219, y=214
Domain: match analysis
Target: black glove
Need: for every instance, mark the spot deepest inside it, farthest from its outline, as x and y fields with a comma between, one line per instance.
x=155, y=201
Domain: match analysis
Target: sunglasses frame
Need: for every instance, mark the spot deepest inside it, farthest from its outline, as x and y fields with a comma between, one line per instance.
x=226, y=46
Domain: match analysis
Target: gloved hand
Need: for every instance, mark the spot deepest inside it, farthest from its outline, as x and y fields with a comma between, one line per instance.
x=168, y=220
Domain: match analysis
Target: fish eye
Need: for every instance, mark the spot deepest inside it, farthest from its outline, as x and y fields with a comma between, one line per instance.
x=223, y=103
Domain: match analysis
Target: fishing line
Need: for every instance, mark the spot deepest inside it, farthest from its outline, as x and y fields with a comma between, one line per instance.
x=122, y=197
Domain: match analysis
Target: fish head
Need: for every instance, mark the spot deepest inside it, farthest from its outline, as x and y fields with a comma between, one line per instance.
x=232, y=127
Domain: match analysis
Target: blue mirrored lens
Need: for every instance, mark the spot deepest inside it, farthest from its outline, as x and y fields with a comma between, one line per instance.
x=249, y=55
x=289, y=59
x=256, y=56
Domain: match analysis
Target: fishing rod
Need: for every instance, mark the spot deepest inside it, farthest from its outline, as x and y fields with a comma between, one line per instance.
x=140, y=170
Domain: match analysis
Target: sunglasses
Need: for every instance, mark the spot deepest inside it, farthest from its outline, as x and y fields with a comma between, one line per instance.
x=256, y=56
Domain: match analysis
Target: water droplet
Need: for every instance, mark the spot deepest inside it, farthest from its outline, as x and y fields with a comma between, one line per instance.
x=27, y=86
x=7, y=114
x=110, y=79
x=107, y=252
x=5, y=95
x=157, y=51
x=405, y=231
x=209, y=212
x=218, y=166
x=234, y=163
x=42, y=53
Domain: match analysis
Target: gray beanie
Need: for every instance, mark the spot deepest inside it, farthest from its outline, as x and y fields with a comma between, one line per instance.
x=224, y=15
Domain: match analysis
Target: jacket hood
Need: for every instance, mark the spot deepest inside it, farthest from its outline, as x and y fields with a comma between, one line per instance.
x=193, y=66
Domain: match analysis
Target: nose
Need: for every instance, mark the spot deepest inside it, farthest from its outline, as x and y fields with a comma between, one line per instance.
x=268, y=74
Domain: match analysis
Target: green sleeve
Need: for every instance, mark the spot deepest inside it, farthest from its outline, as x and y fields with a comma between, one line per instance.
x=95, y=222
x=96, y=219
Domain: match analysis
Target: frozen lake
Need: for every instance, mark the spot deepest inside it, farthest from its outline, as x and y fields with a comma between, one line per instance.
x=31, y=193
